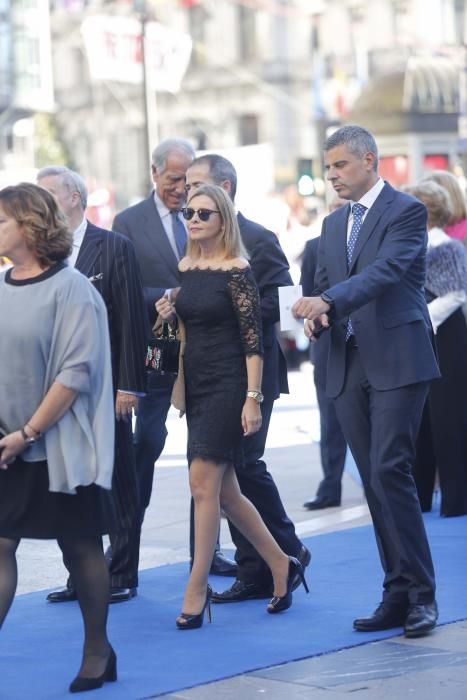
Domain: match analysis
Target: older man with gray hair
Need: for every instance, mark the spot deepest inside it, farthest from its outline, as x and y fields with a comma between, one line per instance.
x=109, y=262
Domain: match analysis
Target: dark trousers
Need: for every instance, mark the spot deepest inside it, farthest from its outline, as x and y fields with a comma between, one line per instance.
x=332, y=444
x=148, y=443
x=123, y=568
x=381, y=429
x=124, y=541
x=257, y=484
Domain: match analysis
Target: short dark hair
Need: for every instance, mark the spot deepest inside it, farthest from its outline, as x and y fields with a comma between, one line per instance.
x=46, y=230
x=358, y=140
x=220, y=169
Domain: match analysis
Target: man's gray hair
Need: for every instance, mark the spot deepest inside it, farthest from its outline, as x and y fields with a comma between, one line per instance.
x=161, y=152
x=69, y=178
x=357, y=139
x=220, y=169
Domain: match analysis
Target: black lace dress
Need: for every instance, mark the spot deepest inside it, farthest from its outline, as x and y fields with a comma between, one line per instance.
x=221, y=312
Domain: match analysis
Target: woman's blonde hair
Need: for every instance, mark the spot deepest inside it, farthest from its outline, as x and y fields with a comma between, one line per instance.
x=458, y=206
x=435, y=198
x=231, y=239
x=46, y=230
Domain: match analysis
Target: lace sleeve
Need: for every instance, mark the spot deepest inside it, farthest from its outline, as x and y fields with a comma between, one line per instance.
x=245, y=299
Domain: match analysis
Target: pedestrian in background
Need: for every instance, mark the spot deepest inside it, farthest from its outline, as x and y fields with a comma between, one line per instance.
x=456, y=226
x=332, y=445
x=442, y=440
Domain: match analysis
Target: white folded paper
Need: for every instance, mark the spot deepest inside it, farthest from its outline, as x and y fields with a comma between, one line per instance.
x=287, y=298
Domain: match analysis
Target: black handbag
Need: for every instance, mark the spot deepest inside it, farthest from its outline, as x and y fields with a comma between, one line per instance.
x=164, y=351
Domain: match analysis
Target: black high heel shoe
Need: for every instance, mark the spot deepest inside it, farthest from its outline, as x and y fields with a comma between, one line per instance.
x=81, y=684
x=195, y=621
x=280, y=603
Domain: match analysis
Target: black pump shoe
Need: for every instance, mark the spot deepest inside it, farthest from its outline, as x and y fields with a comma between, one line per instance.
x=81, y=684
x=195, y=621
x=280, y=603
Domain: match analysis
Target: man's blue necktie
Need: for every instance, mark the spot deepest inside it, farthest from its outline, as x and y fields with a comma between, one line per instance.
x=358, y=211
x=179, y=232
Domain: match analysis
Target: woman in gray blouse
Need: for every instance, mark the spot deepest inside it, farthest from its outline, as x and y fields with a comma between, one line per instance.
x=56, y=414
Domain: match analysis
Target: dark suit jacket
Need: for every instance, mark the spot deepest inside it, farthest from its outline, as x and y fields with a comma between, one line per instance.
x=318, y=350
x=382, y=292
x=159, y=268
x=142, y=224
x=110, y=259
x=271, y=270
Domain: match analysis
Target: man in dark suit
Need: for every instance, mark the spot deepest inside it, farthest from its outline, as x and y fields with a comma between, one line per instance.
x=369, y=290
x=332, y=443
x=271, y=270
x=155, y=227
x=109, y=262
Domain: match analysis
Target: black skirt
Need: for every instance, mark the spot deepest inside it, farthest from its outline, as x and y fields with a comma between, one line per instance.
x=29, y=509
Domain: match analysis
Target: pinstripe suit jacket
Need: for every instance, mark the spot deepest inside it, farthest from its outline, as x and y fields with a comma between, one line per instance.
x=110, y=261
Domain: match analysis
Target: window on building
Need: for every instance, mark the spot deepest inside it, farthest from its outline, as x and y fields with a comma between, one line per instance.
x=248, y=129
x=246, y=33
x=197, y=18
x=460, y=21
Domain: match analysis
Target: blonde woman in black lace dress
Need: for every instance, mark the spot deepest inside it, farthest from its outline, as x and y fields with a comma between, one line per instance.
x=219, y=304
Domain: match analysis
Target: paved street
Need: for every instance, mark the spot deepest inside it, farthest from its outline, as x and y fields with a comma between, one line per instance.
x=429, y=668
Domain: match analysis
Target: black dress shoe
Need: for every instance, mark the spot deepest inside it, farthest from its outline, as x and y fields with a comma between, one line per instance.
x=241, y=590
x=63, y=595
x=319, y=503
x=421, y=619
x=121, y=595
x=386, y=616
x=222, y=566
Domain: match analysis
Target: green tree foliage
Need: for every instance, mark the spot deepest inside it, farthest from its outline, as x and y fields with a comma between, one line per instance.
x=49, y=147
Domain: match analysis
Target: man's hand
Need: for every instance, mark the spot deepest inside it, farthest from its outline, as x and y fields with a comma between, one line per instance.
x=311, y=308
x=314, y=328
x=125, y=404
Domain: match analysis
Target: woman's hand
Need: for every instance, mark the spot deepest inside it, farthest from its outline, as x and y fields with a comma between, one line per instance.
x=251, y=417
x=10, y=447
x=165, y=309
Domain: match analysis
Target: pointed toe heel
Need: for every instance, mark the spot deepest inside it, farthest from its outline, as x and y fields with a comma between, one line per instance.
x=82, y=684
x=280, y=603
x=193, y=622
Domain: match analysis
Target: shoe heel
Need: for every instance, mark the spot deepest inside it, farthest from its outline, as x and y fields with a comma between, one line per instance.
x=208, y=612
x=111, y=670
x=305, y=585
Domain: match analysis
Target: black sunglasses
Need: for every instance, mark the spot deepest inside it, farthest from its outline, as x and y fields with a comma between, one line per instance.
x=203, y=214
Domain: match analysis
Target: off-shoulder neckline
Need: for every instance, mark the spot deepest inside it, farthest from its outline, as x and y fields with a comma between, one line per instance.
x=234, y=268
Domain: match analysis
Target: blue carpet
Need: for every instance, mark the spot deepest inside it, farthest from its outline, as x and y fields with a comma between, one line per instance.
x=40, y=643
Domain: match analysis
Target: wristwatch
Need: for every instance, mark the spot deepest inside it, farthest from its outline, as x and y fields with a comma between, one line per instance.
x=329, y=301
x=29, y=440
x=256, y=395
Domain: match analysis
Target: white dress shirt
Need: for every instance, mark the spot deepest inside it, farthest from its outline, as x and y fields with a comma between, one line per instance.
x=166, y=219
x=368, y=199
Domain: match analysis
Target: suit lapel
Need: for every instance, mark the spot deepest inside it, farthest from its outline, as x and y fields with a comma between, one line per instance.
x=339, y=239
x=88, y=260
x=154, y=232
x=378, y=208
